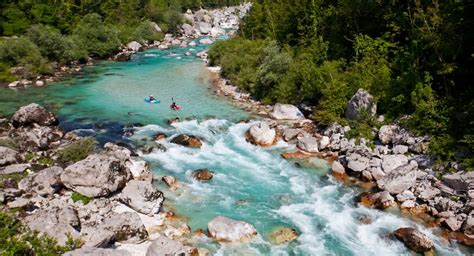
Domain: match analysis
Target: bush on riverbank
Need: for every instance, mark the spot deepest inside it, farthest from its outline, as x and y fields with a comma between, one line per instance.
x=15, y=239
x=414, y=57
x=77, y=150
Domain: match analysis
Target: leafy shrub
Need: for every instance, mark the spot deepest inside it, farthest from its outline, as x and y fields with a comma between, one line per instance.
x=22, y=52
x=96, y=37
x=77, y=150
x=15, y=239
x=79, y=197
x=147, y=32
x=52, y=44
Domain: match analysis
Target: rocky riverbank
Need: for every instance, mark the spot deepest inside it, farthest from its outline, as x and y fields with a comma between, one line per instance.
x=396, y=164
x=201, y=27
x=104, y=200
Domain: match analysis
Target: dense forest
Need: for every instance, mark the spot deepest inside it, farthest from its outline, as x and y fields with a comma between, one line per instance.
x=415, y=57
x=38, y=35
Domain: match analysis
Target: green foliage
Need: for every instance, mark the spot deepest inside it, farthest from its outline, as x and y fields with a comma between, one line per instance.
x=22, y=52
x=52, y=44
x=9, y=143
x=79, y=197
x=95, y=36
x=414, y=57
x=147, y=32
x=15, y=239
x=77, y=150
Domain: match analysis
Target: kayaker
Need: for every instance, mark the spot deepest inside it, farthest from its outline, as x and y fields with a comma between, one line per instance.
x=152, y=98
x=174, y=106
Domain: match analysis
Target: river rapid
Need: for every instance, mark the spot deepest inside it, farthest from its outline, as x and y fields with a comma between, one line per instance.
x=252, y=184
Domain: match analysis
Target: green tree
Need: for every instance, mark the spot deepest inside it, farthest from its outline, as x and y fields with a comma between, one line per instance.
x=96, y=37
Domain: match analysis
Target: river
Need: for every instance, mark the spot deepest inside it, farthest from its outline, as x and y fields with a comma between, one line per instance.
x=252, y=184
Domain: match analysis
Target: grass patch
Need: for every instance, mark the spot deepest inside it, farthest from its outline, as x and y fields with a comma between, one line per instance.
x=79, y=197
x=77, y=150
x=10, y=143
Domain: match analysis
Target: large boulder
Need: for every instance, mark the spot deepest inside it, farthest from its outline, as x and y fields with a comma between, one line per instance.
x=286, y=112
x=142, y=197
x=91, y=251
x=45, y=182
x=8, y=156
x=31, y=114
x=387, y=133
x=156, y=27
x=126, y=227
x=203, y=27
x=308, y=143
x=414, y=239
x=14, y=168
x=290, y=134
x=39, y=138
x=187, y=141
x=134, y=46
x=188, y=29
x=468, y=226
x=224, y=229
x=400, y=179
x=139, y=169
x=123, y=56
x=261, y=134
x=338, y=169
x=391, y=162
x=357, y=163
x=459, y=181
x=164, y=246
x=361, y=103
x=55, y=221
x=216, y=31
x=96, y=176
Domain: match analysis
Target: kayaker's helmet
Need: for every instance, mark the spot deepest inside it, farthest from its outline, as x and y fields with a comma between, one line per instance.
x=151, y=96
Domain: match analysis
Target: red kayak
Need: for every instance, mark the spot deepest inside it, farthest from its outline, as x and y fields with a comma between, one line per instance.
x=175, y=107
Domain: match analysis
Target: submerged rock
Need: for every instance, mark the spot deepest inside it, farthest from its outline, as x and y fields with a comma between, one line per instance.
x=171, y=181
x=33, y=114
x=203, y=174
x=142, y=197
x=134, y=46
x=286, y=112
x=96, y=176
x=261, y=134
x=187, y=141
x=283, y=235
x=414, y=239
x=224, y=229
x=362, y=102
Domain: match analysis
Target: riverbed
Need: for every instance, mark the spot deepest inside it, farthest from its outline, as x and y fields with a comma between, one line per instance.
x=252, y=184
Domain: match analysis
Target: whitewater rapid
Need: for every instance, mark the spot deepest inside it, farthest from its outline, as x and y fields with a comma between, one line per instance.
x=256, y=185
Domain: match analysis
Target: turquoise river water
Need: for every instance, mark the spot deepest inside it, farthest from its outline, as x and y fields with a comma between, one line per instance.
x=250, y=183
